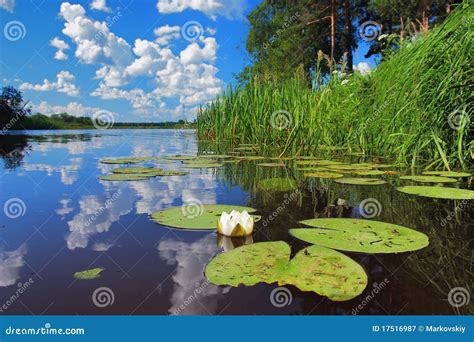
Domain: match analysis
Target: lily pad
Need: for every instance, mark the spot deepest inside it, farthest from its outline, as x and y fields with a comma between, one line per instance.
x=318, y=269
x=201, y=165
x=216, y=156
x=429, y=179
x=252, y=158
x=277, y=184
x=360, y=181
x=357, y=235
x=453, y=174
x=438, y=192
x=370, y=173
x=125, y=160
x=196, y=216
x=163, y=173
x=125, y=177
x=178, y=157
x=326, y=272
x=325, y=175
x=318, y=162
x=249, y=264
x=350, y=167
x=135, y=170
x=89, y=274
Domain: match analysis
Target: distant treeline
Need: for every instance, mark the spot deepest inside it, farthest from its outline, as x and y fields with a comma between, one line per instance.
x=15, y=114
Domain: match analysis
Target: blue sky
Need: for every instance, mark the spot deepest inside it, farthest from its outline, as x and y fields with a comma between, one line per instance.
x=137, y=60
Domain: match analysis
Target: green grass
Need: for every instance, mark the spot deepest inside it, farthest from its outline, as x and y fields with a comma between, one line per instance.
x=400, y=111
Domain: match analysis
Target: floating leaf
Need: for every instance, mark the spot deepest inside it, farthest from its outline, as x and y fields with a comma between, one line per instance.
x=163, y=173
x=126, y=160
x=325, y=175
x=249, y=264
x=178, y=157
x=350, y=167
x=277, y=184
x=438, y=192
x=429, y=179
x=312, y=169
x=318, y=269
x=201, y=165
x=89, y=274
x=135, y=170
x=125, y=177
x=356, y=235
x=326, y=272
x=318, y=162
x=360, y=181
x=370, y=173
x=252, y=158
x=196, y=216
x=447, y=174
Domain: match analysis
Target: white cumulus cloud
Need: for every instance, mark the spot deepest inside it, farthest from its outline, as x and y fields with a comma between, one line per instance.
x=100, y=5
x=61, y=45
x=64, y=83
x=231, y=9
x=7, y=5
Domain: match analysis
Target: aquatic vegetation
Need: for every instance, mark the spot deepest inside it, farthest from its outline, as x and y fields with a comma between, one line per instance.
x=178, y=157
x=93, y=273
x=277, y=184
x=400, y=111
x=325, y=175
x=360, y=181
x=453, y=174
x=350, y=167
x=357, y=235
x=235, y=224
x=318, y=162
x=164, y=173
x=135, y=170
x=429, y=179
x=370, y=173
x=271, y=165
x=317, y=269
x=131, y=160
x=438, y=192
x=125, y=177
x=195, y=216
x=201, y=165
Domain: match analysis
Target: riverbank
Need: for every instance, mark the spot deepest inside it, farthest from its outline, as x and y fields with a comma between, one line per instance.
x=414, y=108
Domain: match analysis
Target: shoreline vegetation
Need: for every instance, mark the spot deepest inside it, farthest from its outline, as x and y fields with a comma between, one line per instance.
x=414, y=108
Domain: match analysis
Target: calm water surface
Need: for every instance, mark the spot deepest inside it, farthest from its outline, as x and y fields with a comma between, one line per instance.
x=71, y=221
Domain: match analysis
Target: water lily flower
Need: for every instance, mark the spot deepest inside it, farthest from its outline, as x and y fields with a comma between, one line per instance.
x=235, y=224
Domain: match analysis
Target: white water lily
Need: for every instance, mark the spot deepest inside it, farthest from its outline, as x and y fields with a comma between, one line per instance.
x=235, y=224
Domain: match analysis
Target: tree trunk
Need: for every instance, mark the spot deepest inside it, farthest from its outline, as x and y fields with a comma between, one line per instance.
x=348, y=35
x=402, y=29
x=333, y=28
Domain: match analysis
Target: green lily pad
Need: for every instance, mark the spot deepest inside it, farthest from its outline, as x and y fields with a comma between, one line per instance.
x=249, y=264
x=370, y=173
x=429, y=179
x=350, y=167
x=163, y=173
x=453, y=174
x=360, y=181
x=252, y=158
x=196, y=216
x=201, y=165
x=277, y=184
x=125, y=177
x=312, y=169
x=271, y=165
x=178, y=157
x=357, y=235
x=89, y=274
x=318, y=269
x=135, y=170
x=438, y=192
x=215, y=156
x=326, y=272
x=318, y=162
x=125, y=160
x=325, y=175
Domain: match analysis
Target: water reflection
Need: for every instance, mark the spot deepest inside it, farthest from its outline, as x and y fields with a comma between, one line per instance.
x=10, y=264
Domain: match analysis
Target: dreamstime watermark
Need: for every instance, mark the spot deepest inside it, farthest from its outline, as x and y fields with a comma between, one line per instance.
x=191, y=298
x=377, y=287
x=103, y=208
x=370, y=207
x=458, y=297
x=103, y=119
x=281, y=119
x=458, y=119
x=46, y=330
x=192, y=30
x=288, y=199
x=22, y=287
x=370, y=119
x=103, y=296
x=287, y=23
x=280, y=297
x=14, y=208
x=370, y=30
x=192, y=208
x=109, y=22
x=181, y=132
x=14, y=30
x=458, y=208
x=11, y=123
